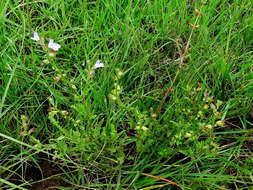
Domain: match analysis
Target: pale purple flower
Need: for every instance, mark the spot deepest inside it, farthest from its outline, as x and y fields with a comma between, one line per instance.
x=92, y=72
x=98, y=64
x=53, y=45
x=35, y=37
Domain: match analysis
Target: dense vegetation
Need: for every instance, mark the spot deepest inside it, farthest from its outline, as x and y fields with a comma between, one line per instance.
x=139, y=92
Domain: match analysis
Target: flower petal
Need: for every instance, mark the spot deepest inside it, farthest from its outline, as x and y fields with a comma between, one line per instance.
x=35, y=36
x=92, y=72
x=98, y=64
x=53, y=45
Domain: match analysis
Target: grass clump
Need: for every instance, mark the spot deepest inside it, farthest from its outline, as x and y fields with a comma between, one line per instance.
x=129, y=95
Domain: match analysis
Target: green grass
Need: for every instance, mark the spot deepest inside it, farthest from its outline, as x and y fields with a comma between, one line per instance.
x=172, y=101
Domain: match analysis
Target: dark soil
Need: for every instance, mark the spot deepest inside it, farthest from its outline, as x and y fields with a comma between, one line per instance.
x=47, y=175
x=50, y=171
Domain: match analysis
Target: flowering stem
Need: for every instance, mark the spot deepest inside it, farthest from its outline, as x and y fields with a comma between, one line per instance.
x=182, y=58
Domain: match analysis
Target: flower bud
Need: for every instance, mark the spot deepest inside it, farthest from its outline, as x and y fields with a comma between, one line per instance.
x=112, y=97
x=220, y=123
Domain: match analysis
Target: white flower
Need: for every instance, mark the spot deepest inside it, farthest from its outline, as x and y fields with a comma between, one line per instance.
x=92, y=72
x=98, y=64
x=35, y=37
x=53, y=45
